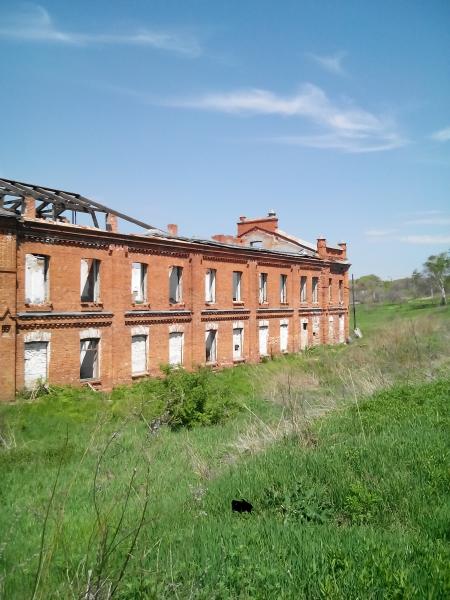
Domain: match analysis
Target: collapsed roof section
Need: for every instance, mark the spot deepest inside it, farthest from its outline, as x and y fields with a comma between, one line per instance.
x=56, y=205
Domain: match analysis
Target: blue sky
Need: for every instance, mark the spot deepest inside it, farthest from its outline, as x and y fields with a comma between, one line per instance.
x=335, y=114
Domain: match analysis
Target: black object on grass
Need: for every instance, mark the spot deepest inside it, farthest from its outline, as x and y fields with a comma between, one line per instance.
x=241, y=506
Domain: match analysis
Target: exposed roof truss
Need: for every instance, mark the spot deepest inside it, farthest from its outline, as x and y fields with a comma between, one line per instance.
x=56, y=205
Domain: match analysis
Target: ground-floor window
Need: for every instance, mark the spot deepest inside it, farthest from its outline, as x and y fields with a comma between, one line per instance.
x=263, y=339
x=331, y=330
x=316, y=330
x=304, y=334
x=176, y=341
x=139, y=357
x=341, y=329
x=284, y=337
x=89, y=358
x=237, y=342
x=36, y=361
x=211, y=346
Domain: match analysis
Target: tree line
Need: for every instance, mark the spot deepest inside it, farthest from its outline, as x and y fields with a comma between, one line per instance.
x=431, y=281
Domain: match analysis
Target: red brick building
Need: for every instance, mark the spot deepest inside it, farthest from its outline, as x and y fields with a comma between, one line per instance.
x=84, y=304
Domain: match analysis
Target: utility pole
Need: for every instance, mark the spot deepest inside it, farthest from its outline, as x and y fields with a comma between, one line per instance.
x=353, y=301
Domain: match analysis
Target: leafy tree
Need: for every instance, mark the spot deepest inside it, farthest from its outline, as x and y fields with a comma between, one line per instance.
x=437, y=267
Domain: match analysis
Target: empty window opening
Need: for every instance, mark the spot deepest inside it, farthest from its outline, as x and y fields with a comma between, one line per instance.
x=176, y=343
x=256, y=244
x=175, y=285
x=139, y=282
x=89, y=359
x=36, y=363
x=36, y=279
x=90, y=280
x=283, y=289
x=237, y=280
x=262, y=287
x=315, y=289
x=303, y=288
x=341, y=291
x=330, y=290
x=284, y=337
x=211, y=346
x=263, y=340
x=304, y=334
x=210, y=285
x=316, y=330
x=237, y=343
x=139, y=354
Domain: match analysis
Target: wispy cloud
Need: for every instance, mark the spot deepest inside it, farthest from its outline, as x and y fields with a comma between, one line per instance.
x=33, y=23
x=331, y=63
x=429, y=221
x=443, y=135
x=380, y=232
x=425, y=239
x=344, y=126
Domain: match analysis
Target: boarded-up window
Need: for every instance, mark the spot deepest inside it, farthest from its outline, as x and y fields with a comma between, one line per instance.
x=237, y=279
x=304, y=334
x=175, y=285
x=303, y=288
x=331, y=330
x=284, y=337
x=262, y=287
x=36, y=361
x=36, y=279
x=90, y=280
x=341, y=329
x=176, y=348
x=263, y=340
x=139, y=354
x=210, y=285
x=315, y=289
x=316, y=330
x=139, y=282
x=89, y=359
x=283, y=289
x=237, y=342
x=341, y=291
x=211, y=346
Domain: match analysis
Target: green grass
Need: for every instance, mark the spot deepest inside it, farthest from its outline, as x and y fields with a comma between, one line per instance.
x=353, y=504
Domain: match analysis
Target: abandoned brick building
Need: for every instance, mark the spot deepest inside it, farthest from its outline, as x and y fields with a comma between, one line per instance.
x=83, y=304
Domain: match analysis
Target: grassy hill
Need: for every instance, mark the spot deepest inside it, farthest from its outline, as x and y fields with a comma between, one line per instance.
x=342, y=451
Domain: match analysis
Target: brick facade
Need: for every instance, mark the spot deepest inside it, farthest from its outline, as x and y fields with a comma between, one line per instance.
x=61, y=320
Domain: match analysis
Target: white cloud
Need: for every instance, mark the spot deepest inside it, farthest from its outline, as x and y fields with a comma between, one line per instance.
x=425, y=239
x=380, y=232
x=430, y=221
x=443, y=135
x=346, y=127
x=34, y=24
x=332, y=63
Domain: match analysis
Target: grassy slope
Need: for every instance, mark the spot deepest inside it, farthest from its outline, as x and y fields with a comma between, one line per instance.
x=358, y=511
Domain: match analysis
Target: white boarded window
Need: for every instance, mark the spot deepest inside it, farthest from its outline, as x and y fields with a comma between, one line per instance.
x=210, y=285
x=211, y=346
x=331, y=330
x=283, y=289
x=90, y=280
x=36, y=362
x=303, y=288
x=139, y=354
x=175, y=285
x=304, y=334
x=36, y=278
x=263, y=340
x=176, y=340
x=316, y=330
x=341, y=329
x=237, y=281
x=237, y=342
x=284, y=329
x=89, y=358
x=262, y=287
x=139, y=282
x=315, y=289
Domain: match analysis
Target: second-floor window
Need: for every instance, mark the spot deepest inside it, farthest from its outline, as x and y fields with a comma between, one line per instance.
x=341, y=290
x=36, y=279
x=175, y=285
x=262, y=287
x=90, y=280
x=210, y=285
x=330, y=290
x=211, y=346
x=315, y=289
x=139, y=282
x=237, y=279
x=303, y=288
x=283, y=289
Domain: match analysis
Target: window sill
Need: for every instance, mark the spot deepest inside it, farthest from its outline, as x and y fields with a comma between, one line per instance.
x=237, y=361
x=143, y=305
x=210, y=303
x=265, y=303
x=284, y=303
x=212, y=364
x=91, y=382
x=41, y=307
x=177, y=305
x=139, y=375
x=238, y=303
x=91, y=305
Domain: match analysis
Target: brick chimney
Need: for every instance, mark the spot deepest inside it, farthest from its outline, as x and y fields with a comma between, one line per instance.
x=29, y=208
x=111, y=223
x=172, y=228
x=322, y=246
x=343, y=247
